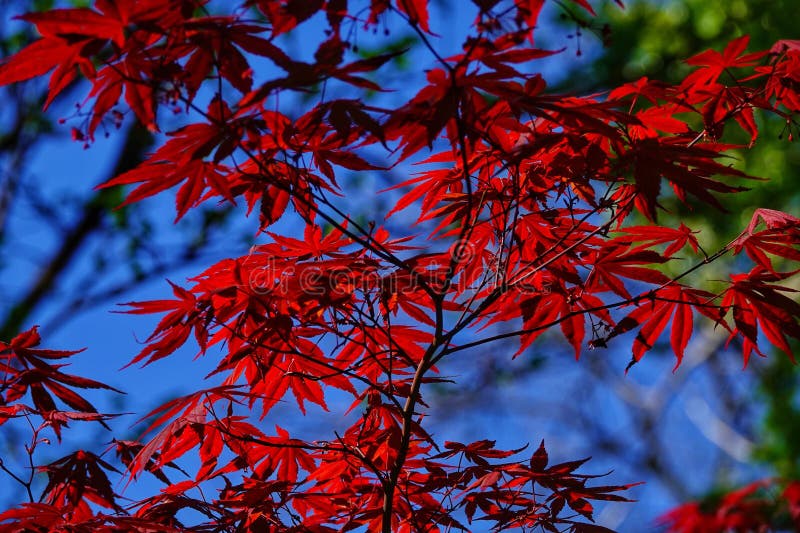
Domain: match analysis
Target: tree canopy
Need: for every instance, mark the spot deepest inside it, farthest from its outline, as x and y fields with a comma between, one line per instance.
x=532, y=212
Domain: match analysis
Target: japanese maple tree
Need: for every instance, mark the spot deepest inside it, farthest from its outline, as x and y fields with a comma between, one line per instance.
x=534, y=210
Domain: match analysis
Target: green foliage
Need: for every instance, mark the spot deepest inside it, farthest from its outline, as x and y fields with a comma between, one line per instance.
x=653, y=39
x=780, y=447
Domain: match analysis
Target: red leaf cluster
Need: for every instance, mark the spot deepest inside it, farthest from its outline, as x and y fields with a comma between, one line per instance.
x=527, y=199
